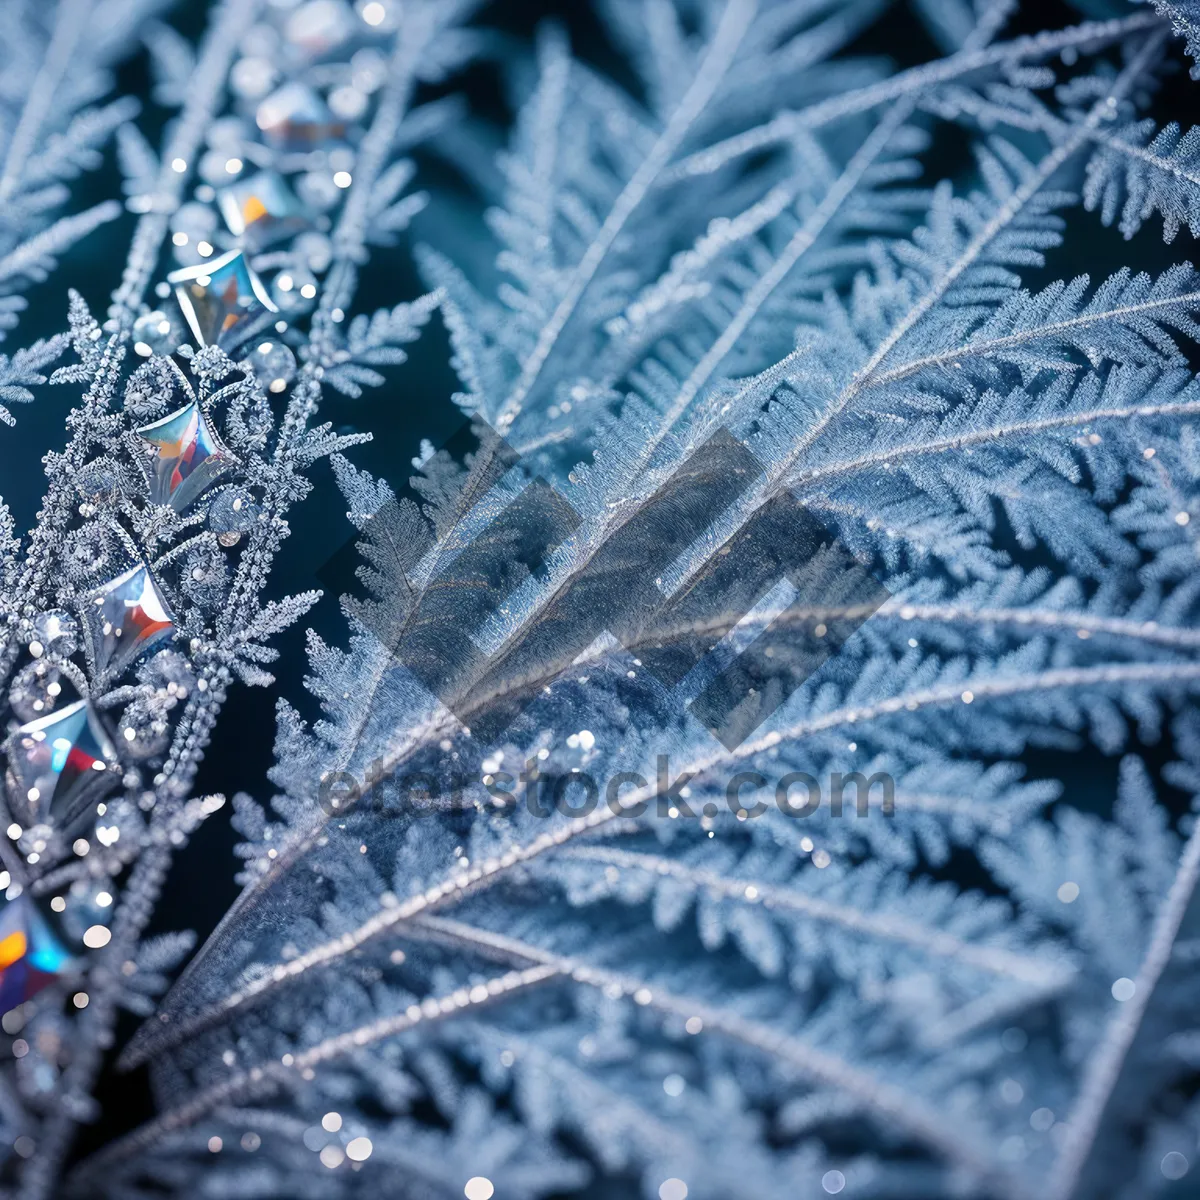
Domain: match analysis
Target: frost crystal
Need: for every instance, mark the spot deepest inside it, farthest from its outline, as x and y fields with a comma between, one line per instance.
x=634, y=851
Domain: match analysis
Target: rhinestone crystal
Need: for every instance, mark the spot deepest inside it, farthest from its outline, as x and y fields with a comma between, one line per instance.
x=295, y=119
x=217, y=298
x=261, y=210
x=186, y=456
x=31, y=957
x=126, y=616
x=58, y=764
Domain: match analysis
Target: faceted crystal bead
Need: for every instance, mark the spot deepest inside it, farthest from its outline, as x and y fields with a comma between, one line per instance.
x=57, y=765
x=127, y=616
x=273, y=364
x=31, y=956
x=261, y=210
x=155, y=333
x=218, y=297
x=186, y=456
x=295, y=118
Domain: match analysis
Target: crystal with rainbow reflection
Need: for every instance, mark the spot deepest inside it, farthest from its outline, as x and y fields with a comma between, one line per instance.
x=126, y=616
x=261, y=210
x=296, y=120
x=31, y=957
x=218, y=298
x=186, y=457
x=57, y=765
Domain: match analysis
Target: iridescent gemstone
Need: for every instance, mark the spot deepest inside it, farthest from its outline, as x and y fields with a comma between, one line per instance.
x=261, y=210
x=31, y=957
x=217, y=298
x=295, y=118
x=126, y=616
x=273, y=364
x=186, y=457
x=58, y=764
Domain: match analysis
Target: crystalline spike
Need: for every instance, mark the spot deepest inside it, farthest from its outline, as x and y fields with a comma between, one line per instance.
x=31, y=956
x=187, y=456
x=217, y=298
x=261, y=210
x=57, y=765
x=126, y=617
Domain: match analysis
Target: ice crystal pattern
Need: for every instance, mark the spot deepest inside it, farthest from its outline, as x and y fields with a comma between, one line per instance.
x=981, y=981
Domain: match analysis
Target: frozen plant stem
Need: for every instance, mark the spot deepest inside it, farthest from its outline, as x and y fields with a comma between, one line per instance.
x=916, y=80
x=709, y=73
x=70, y=22
x=1104, y=109
x=1104, y=1066
x=494, y=870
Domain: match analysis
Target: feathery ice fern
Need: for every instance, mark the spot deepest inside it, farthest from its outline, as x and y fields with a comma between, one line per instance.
x=544, y=933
